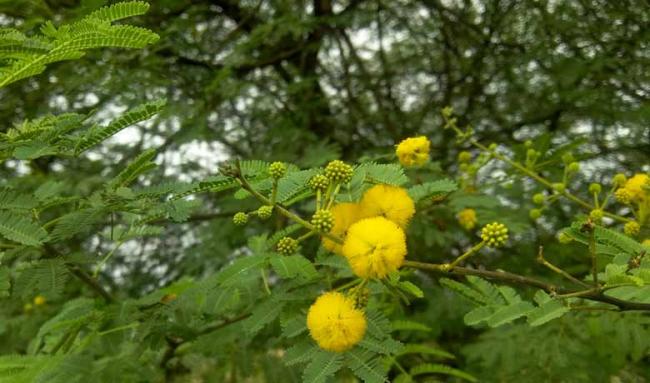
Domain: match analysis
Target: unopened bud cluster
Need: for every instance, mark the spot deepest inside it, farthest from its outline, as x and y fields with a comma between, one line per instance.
x=494, y=234
x=323, y=220
x=287, y=246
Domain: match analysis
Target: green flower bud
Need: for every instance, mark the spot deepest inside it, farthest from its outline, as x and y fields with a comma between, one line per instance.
x=528, y=144
x=539, y=198
x=339, y=171
x=632, y=228
x=318, y=182
x=559, y=187
x=240, y=218
x=493, y=146
x=531, y=153
x=573, y=167
x=595, y=188
x=277, y=170
x=619, y=179
x=464, y=157
x=567, y=158
x=287, y=246
x=596, y=215
x=265, y=212
x=535, y=214
x=323, y=220
x=564, y=238
x=463, y=167
x=494, y=234
x=623, y=196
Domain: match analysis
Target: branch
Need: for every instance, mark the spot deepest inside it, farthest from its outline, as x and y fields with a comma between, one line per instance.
x=596, y=295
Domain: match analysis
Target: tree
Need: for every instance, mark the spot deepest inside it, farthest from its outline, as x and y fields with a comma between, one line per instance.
x=123, y=168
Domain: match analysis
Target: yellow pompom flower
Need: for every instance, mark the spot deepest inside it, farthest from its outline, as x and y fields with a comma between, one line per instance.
x=335, y=323
x=413, y=151
x=494, y=234
x=388, y=201
x=39, y=300
x=637, y=185
x=467, y=218
x=345, y=214
x=375, y=247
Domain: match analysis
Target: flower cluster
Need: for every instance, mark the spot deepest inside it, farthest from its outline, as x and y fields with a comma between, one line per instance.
x=345, y=214
x=373, y=230
x=467, y=218
x=494, y=234
x=375, y=247
x=335, y=323
x=635, y=192
x=287, y=246
x=413, y=151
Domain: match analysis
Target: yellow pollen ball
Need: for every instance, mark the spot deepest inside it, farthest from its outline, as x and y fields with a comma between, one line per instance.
x=345, y=214
x=39, y=300
x=467, y=218
x=375, y=247
x=334, y=323
x=388, y=201
x=637, y=185
x=413, y=151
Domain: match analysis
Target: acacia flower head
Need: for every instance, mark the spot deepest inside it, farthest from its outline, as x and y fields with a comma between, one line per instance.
x=638, y=186
x=413, y=151
x=39, y=300
x=335, y=323
x=388, y=201
x=467, y=218
x=375, y=247
x=345, y=214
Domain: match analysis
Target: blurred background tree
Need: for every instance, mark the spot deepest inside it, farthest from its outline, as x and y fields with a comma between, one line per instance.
x=310, y=81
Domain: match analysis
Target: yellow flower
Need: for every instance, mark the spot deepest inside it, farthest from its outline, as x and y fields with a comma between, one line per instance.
x=334, y=323
x=413, y=151
x=39, y=300
x=391, y=202
x=637, y=185
x=345, y=214
x=467, y=218
x=375, y=247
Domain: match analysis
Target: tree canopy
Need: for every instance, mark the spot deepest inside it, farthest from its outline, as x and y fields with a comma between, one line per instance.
x=132, y=133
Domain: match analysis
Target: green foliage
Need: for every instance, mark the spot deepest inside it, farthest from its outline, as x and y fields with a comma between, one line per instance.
x=25, y=57
x=500, y=305
x=118, y=258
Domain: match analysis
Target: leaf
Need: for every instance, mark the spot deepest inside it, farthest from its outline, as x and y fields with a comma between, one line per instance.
x=138, y=114
x=231, y=273
x=322, y=365
x=546, y=312
x=5, y=283
x=21, y=229
x=48, y=277
x=425, y=349
x=294, y=326
x=291, y=266
x=366, y=365
x=11, y=199
x=431, y=189
x=407, y=325
x=77, y=222
x=300, y=352
x=120, y=11
x=441, y=369
x=262, y=315
x=141, y=164
x=509, y=313
x=463, y=290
